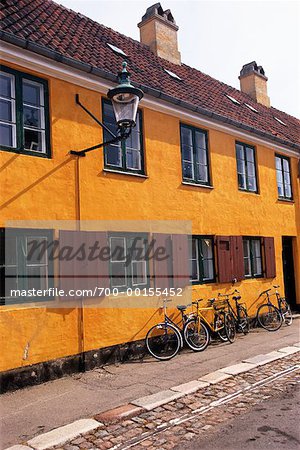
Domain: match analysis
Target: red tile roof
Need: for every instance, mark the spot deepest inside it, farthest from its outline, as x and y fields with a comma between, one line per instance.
x=74, y=36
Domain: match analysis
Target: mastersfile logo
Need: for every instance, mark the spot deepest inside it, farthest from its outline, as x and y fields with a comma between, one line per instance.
x=139, y=250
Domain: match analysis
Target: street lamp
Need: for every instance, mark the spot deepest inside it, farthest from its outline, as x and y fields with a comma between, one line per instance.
x=125, y=100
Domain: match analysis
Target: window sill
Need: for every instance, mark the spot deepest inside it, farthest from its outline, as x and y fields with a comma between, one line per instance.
x=19, y=151
x=120, y=172
x=285, y=200
x=205, y=186
x=248, y=192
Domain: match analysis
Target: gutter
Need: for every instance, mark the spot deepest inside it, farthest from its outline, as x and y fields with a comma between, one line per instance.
x=88, y=68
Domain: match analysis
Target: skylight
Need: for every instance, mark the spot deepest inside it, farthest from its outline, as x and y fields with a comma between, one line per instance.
x=233, y=99
x=280, y=121
x=173, y=75
x=251, y=107
x=116, y=49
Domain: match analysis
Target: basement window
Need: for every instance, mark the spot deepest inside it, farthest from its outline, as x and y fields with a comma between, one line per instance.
x=236, y=102
x=116, y=49
x=251, y=107
x=173, y=75
x=280, y=121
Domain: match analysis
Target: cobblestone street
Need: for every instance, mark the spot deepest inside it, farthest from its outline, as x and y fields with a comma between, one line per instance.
x=179, y=422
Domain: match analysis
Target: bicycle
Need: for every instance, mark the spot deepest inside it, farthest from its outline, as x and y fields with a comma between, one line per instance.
x=268, y=315
x=222, y=324
x=239, y=314
x=284, y=307
x=165, y=339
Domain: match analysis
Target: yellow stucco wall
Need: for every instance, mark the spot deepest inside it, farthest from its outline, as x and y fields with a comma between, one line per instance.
x=45, y=189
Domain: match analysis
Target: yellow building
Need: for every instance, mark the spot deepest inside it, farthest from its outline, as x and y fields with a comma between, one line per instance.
x=202, y=152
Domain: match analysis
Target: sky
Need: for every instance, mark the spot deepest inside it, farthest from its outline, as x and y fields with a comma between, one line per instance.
x=219, y=37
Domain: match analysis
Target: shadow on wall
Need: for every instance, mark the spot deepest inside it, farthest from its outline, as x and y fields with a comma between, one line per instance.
x=35, y=183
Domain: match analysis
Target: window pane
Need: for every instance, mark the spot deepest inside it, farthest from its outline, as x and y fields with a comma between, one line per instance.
x=206, y=248
x=242, y=181
x=133, y=159
x=187, y=153
x=200, y=139
x=252, y=184
x=34, y=140
x=194, y=270
x=118, y=249
x=118, y=274
x=7, y=135
x=36, y=250
x=37, y=277
x=202, y=173
x=11, y=280
x=286, y=166
x=32, y=117
x=6, y=110
x=208, y=270
x=188, y=170
x=250, y=154
x=241, y=166
x=113, y=155
x=288, y=191
x=247, y=261
x=280, y=189
x=256, y=248
x=139, y=272
x=239, y=151
x=186, y=136
x=6, y=85
x=33, y=93
x=10, y=251
x=250, y=169
x=257, y=267
x=278, y=163
x=279, y=176
x=201, y=156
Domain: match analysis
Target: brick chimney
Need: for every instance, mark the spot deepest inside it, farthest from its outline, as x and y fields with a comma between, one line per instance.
x=158, y=30
x=254, y=83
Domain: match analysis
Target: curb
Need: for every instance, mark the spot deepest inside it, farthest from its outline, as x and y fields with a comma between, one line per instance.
x=61, y=435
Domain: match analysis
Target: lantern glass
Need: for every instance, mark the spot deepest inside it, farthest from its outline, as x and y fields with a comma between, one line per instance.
x=125, y=107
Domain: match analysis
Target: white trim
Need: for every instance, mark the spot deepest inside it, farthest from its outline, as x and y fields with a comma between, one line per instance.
x=32, y=61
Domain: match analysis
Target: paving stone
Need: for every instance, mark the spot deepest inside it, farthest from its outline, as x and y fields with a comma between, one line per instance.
x=214, y=377
x=153, y=401
x=61, y=435
x=119, y=413
x=289, y=350
x=190, y=387
x=238, y=368
x=260, y=360
x=19, y=447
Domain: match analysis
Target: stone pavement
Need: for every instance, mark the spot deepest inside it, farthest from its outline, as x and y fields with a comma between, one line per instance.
x=50, y=405
x=179, y=421
x=196, y=408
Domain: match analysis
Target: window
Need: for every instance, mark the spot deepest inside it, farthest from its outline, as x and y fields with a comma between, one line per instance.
x=126, y=156
x=128, y=264
x=252, y=257
x=24, y=263
x=194, y=153
x=173, y=75
x=201, y=259
x=24, y=117
x=236, y=102
x=283, y=175
x=246, y=169
x=116, y=49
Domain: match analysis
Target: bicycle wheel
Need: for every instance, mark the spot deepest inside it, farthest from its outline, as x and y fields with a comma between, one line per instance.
x=286, y=312
x=196, y=334
x=229, y=327
x=269, y=317
x=163, y=341
x=222, y=332
x=244, y=321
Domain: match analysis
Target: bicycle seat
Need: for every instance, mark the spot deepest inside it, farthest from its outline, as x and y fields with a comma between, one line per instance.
x=211, y=300
x=181, y=307
x=236, y=297
x=276, y=286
